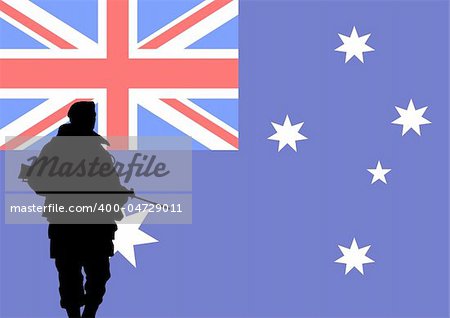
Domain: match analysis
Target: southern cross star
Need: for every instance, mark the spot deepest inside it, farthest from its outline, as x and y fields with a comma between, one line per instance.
x=411, y=118
x=354, y=257
x=379, y=173
x=354, y=45
x=287, y=134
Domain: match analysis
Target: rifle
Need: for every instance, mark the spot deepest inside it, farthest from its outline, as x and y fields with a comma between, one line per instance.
x=134, y=196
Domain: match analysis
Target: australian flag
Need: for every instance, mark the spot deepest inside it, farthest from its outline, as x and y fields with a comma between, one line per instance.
x=328, y=196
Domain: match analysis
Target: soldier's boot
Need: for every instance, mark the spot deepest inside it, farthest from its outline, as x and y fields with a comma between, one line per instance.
x=89, y=311
x=73, y=312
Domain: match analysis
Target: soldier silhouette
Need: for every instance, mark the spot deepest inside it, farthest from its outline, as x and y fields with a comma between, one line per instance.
x=79, y=240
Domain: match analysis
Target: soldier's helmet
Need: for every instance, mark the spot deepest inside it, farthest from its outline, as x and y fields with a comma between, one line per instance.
x=82, y=114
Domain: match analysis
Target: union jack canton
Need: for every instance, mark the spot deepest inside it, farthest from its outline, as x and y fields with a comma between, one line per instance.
x=153, y=67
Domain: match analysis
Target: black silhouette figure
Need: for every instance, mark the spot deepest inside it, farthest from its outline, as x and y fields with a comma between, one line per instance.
x=83, y=175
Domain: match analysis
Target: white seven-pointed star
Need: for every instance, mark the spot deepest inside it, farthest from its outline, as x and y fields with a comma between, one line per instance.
x=354, y=257
x=379, y=173
x=128, y=235
x=411, y=118
x=287, y=134
x=354, y=45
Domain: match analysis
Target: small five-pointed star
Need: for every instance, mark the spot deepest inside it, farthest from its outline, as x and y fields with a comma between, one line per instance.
x=354, y=257
x=379, y=173
x=411, y=118
x=354, y=45
x=128, y=235
x=287, y=134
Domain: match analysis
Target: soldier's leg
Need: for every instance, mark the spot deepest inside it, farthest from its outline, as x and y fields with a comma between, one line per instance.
x=70, y=285
x=97, y=274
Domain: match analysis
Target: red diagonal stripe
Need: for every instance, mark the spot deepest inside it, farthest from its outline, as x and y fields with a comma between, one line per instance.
x=202, y=121
x=35, y=27
x=39, y=127
x=185, y=24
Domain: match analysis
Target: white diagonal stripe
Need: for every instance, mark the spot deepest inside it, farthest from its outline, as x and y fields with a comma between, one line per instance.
x=186, y=125
x=52, y=23
x=202, y=28
x=57, y=98
x=174, y=22
x=42, y=134
x=182, y=94
x=32, y=117
x=210, y=117
x=197, y=31
x=27, y=31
